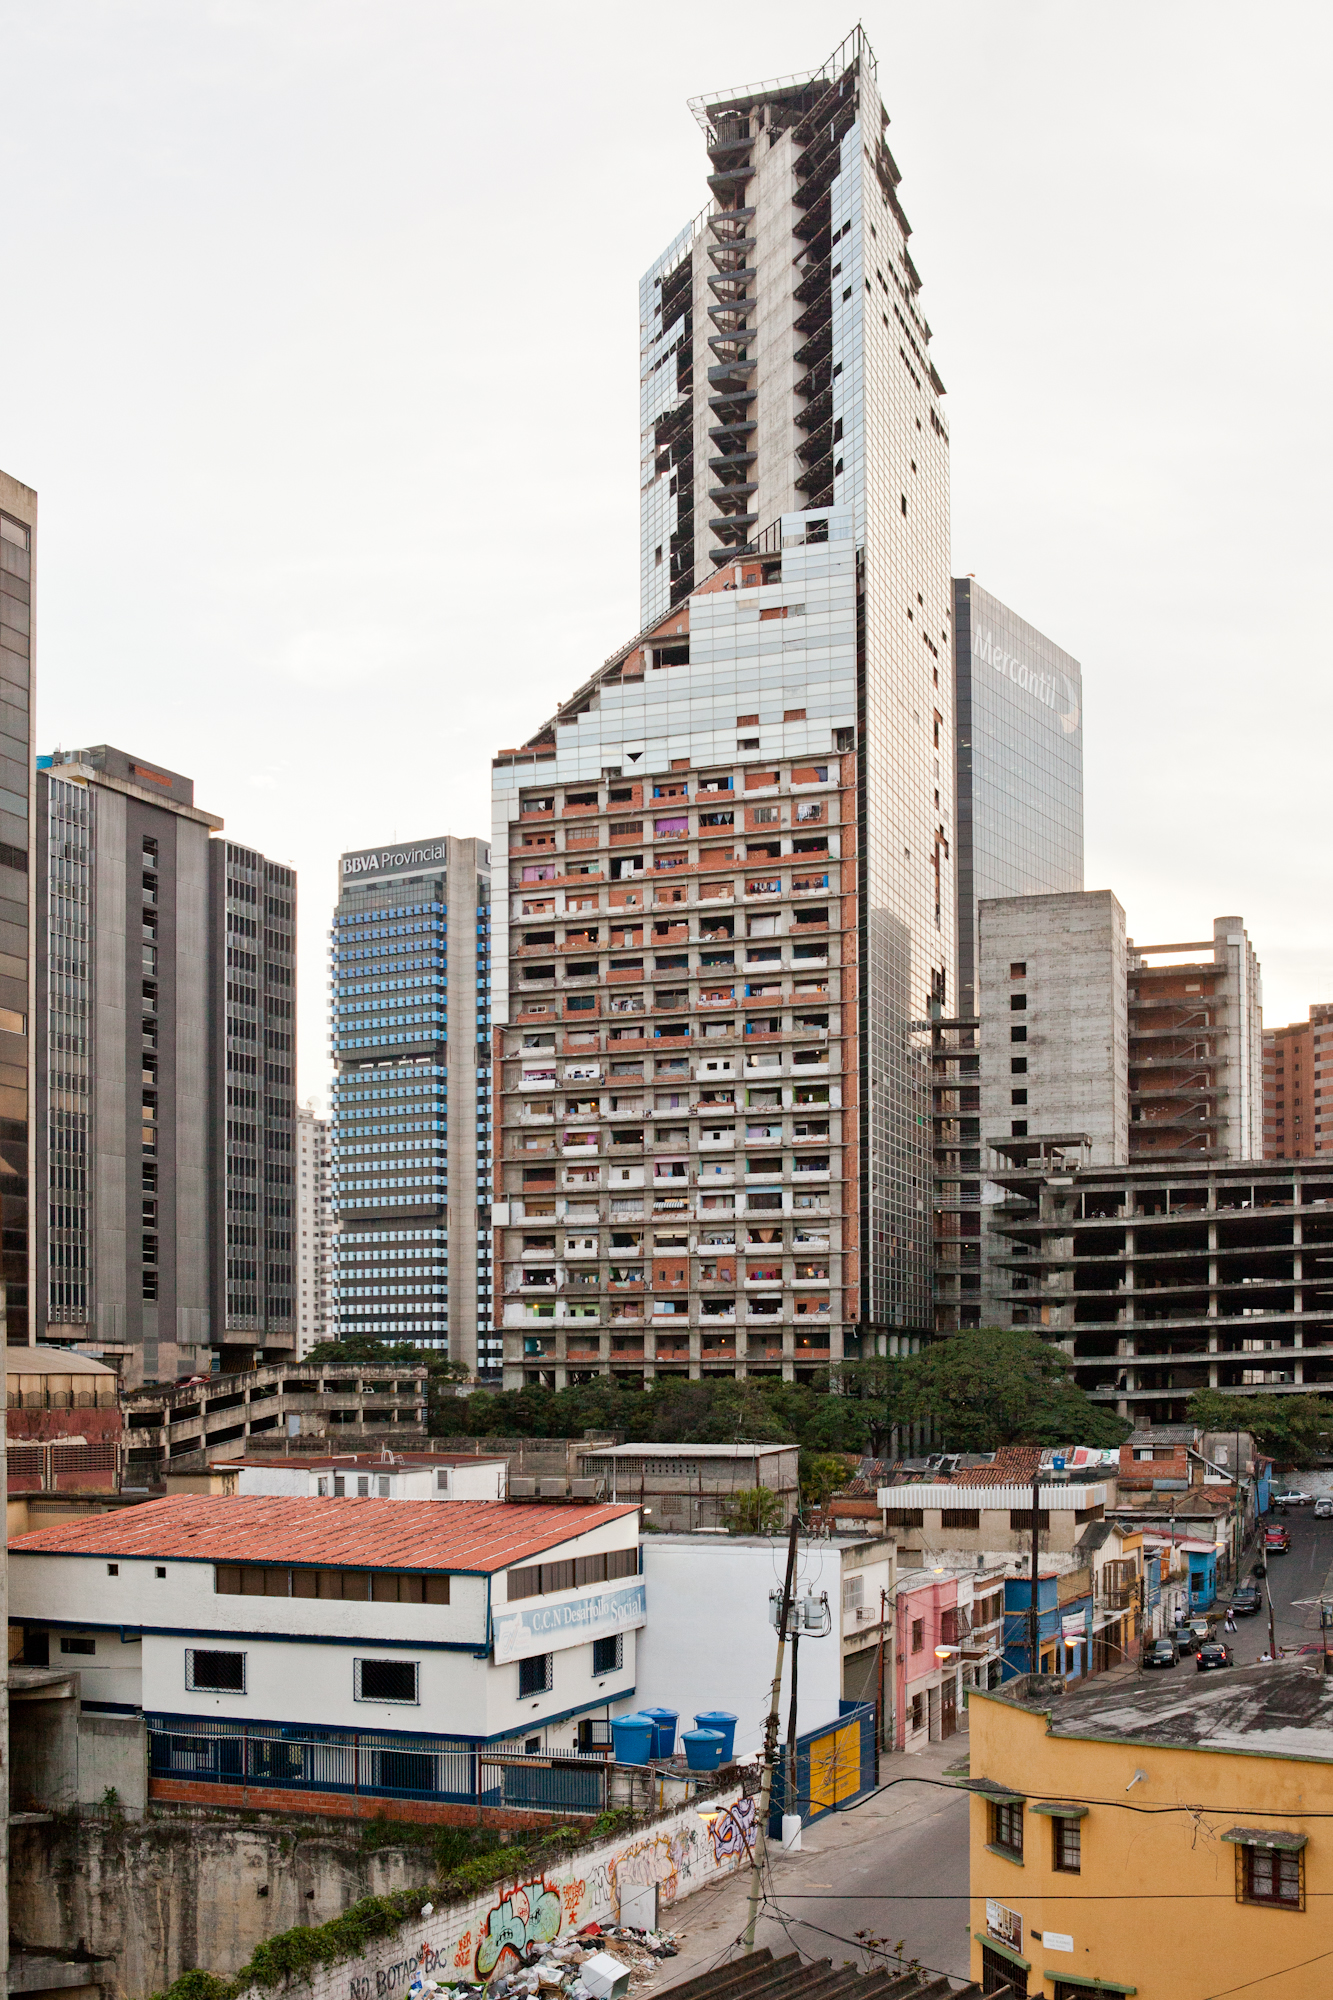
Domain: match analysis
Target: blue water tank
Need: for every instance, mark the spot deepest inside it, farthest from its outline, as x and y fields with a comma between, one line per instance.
x=632, y=1737
x=725, y=1723
x=664, y=1722
x=703, y=1748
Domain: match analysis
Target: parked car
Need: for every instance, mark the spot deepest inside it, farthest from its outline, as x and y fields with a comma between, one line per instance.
x=1291, y=1497
x=1201, y=1628
x=1161, y=1653
x=1323, y=1508
x=1186, y=1641
x=1213, y=1655
x=1247, y=1599
x=1277, y=1541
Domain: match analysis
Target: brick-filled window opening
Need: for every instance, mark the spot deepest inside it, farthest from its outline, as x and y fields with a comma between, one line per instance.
x=386, y=1680
x=1273, y=1875
x=537, y=1675
x=539, y=1579
x=918, y=1635
x=214, y=1673
x=1067, y=1846
x=608, y=1655
x=355, y=1586
x=1006, y=1826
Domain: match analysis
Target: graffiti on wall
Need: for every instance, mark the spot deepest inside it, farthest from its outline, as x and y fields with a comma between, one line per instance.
x=496, y=1931
x=529, y=1914
x=732, y=1832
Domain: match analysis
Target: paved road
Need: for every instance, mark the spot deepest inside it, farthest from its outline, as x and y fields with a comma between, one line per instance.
x=895, y=1866
x=1304, y=1573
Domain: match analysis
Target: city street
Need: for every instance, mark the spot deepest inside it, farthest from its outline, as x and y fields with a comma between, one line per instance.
x=895, y=1865
x=1293, y=1579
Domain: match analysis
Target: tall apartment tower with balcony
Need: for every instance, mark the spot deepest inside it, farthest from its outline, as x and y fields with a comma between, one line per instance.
x=411, y=1102
x=316, y=1319
x=730, y=897
x=18, y=1109
x=252, y=1137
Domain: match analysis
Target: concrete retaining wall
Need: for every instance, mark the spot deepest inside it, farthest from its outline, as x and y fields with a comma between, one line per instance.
x=160, y=1896
x=679, y=1852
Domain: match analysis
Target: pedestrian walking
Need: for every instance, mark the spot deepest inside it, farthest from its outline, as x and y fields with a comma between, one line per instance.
x=1231, y=1618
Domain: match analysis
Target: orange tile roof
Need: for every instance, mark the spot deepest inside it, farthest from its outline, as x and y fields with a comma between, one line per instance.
x=478, y=1535
x=1014, y=1465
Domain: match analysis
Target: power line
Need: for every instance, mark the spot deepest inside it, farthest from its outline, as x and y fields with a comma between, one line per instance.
x=1264, y=1977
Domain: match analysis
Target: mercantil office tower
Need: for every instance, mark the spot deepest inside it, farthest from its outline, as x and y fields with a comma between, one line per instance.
x=411, y=1099
x=730, y=902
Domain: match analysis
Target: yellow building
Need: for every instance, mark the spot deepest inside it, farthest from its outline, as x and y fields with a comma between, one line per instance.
x=1168, y=1835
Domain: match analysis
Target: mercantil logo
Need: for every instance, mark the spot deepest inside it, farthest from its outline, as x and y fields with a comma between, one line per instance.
x=1043, y=687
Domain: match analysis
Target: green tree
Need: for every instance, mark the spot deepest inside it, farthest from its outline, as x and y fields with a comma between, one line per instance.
x=823, y=1473
x=987, y=1386
x=755, y=1510
x=1291, y=1430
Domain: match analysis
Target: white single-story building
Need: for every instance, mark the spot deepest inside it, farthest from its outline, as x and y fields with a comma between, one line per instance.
x=338, y=1645
x=373, y=1476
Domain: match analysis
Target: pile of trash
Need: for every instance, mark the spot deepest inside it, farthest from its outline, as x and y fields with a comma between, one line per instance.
x=576, y=1968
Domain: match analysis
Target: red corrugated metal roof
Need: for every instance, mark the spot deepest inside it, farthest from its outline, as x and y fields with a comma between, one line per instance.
x=1014, y=1465
x=482, y=1535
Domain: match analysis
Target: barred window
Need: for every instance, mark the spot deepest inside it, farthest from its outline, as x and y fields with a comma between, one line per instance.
x=214, y=1673
x=386, y=1680
x=608, y=1655
x=537, y=1675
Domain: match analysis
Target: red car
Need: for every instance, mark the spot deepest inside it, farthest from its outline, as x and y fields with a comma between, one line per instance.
x=1277, y=1540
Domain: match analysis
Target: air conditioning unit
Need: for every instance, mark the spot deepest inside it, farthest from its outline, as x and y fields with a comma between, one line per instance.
x=522, y=1489
x=586, y=1489
x=867, y=1614
x=552, y=1489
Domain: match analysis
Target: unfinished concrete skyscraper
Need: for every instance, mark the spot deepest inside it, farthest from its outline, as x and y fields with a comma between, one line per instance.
x=730, y=901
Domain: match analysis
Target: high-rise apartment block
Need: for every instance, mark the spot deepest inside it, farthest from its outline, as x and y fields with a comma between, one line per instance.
x=165, y=989
x=411, y=1103
x=1298, y=1072
x=1019, y=763
x=316, y=1317
x=18, y=1118
x=252, y=1178
x=730, y=898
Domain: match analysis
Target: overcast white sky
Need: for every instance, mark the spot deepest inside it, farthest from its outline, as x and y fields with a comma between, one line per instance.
x=318, y=338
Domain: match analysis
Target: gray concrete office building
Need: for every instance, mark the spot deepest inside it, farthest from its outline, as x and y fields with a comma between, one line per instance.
x=252, y=1111
x=18, y=534
x=1019, y=757
x=411, y=1034
x=157, y=1027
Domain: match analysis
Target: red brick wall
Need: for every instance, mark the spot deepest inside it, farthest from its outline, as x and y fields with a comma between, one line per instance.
x=335, y=1805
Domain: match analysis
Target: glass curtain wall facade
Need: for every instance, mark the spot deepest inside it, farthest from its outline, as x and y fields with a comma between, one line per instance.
x=18, y=1110
x=68, y=995
x=410, y=963
x=1019, y=764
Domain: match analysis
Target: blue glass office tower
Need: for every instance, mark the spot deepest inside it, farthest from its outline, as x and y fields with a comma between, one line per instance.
x=411, y=1103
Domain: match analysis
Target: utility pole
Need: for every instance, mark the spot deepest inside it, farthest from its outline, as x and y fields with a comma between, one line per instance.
x=1034, y=1614
x=789, y=1793
x=770, y=1743
x=883, y=1718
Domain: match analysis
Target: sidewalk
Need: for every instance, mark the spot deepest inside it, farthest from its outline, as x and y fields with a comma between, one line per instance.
x=836, y=1853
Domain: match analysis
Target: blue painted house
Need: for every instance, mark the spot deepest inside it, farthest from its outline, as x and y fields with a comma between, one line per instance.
x=1064, y=1626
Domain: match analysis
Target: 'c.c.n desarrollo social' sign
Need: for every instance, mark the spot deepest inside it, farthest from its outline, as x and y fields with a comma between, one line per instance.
x=549, y=1628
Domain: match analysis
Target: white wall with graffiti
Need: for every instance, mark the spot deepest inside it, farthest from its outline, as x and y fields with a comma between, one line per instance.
x=679, y=1852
